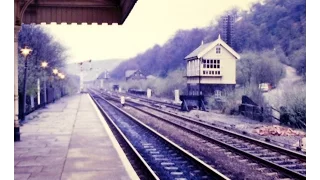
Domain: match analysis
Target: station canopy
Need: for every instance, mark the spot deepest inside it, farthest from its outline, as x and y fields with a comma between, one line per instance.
x=74, y=11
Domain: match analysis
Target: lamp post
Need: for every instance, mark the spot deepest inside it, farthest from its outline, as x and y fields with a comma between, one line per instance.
x=25, y=52
x=55, y=72
x=61, y=77
x=44, y=64
x=81, y=77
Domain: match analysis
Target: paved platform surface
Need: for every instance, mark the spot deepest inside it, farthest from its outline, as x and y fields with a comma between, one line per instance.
x=69, y=141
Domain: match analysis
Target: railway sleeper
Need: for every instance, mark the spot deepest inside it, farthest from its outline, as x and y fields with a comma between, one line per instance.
x=278, y=161
x=258, y=154
x=253, y=164
x=271, y=158
x=246, y=149
x=291, y=166
x=161, y=159
x=243, y=160
x=235, y=156
x=266, y=156
x=272, y=174
x=302, y=171
x=239, y=146
x=271, y=153
x=262, y=169
x=171, y=168
x=252, y=151
x=293, y=160
x=260, y=149
x=177, y=173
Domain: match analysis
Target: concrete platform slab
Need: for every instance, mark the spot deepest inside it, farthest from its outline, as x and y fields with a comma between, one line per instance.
x=69, y=140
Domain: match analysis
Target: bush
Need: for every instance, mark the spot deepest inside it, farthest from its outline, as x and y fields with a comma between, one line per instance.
x=163, y=87
x=175, y=80
x=268, y=68
x=244, y=68
x=294, y=101
x=254, y=68
x=229, y=104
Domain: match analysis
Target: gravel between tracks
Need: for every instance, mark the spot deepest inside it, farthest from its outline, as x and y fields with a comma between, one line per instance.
x=238, y=124
x=222, y=161
x=241, y=124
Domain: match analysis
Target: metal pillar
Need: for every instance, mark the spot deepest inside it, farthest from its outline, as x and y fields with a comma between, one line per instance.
x=16, y=90
x=24, y=88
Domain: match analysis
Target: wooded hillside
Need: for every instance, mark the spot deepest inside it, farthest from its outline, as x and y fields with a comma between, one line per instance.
x=278, y=25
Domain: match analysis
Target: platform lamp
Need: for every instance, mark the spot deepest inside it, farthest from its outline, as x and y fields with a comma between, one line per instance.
x=25, y=52
x=44, y=65
x=55, y=71
x=61, y=77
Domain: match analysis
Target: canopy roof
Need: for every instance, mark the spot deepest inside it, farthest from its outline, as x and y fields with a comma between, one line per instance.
x=72, y=11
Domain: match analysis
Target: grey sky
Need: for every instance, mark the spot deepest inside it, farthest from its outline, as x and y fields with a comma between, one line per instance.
x=150, y=22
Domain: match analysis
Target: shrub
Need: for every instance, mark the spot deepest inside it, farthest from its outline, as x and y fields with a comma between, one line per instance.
x=268, y=69
x=294, y=101
x=254, y=68
x=163, y=87
x=229, y=103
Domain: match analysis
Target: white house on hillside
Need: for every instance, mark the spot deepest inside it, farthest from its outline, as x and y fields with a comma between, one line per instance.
x=211, y=68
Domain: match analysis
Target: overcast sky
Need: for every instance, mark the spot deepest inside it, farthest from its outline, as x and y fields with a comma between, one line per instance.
x=150, y=22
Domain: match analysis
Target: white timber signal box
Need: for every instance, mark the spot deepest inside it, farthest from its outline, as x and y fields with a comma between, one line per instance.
x=211, y=68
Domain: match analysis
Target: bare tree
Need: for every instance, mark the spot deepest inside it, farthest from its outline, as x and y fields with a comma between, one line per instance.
x=43, y=49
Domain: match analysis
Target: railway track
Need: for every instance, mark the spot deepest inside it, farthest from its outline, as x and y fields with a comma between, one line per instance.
x=155, y=102
x=287, y=162
x=161, y=157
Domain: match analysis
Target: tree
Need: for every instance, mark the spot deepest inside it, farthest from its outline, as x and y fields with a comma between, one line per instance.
x=274, y=25
x=43, y=49
x=268, y=69
x=245, y=68
x=264, y=67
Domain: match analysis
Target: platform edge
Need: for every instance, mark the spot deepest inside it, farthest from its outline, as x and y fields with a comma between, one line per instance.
x=127, y=165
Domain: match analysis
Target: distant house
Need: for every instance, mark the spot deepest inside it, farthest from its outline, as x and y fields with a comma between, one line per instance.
x=211, y=68
x=134, y=75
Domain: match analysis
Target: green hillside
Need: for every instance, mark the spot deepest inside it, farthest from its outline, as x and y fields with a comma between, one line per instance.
x=278, y=25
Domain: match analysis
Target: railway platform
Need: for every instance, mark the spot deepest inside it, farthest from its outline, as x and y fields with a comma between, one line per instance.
x=69, y=140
